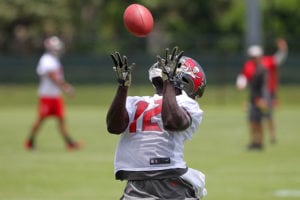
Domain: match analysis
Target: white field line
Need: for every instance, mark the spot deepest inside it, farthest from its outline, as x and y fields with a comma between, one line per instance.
x=287, y=193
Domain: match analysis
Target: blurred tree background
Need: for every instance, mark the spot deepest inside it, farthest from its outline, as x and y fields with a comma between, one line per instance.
x=96, y=26
x=213, y=29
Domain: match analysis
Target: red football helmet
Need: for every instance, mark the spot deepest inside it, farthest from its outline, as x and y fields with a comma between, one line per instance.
x=191, y=77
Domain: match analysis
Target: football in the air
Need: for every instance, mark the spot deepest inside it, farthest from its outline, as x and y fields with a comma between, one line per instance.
x=138, y=20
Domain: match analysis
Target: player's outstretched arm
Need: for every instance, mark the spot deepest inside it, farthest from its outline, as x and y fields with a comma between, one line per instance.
x=117, y=118
x=282, y=51
x=174, y=117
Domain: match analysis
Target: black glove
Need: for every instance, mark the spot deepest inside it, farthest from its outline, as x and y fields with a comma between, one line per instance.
x=170, y=64
x=121, y=68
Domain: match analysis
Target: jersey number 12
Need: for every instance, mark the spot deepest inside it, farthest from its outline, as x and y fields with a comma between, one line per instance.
x=147, y=123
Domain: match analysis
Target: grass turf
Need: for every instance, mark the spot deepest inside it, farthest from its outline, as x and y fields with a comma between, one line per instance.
x=218, y=148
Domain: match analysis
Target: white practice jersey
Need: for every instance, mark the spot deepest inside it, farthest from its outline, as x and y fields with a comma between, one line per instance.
x=49, y=63
x=145, y=145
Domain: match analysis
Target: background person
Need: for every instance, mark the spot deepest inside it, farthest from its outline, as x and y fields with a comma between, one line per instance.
x=52, y=82
x=154, y=128
x=258, y=99
x=271, y=63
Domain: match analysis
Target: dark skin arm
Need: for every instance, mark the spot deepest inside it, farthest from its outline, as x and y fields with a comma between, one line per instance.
x=174, y=117
x=117, y=118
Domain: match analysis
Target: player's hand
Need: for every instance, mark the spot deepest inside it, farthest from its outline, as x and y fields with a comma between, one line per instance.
x=121, y=68
x=170, y=64
x=262, y=104
x=241, y=82
x=68, y=89
x=282, y=44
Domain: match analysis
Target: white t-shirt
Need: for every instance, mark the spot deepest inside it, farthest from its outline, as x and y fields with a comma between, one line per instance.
x=49, y=63
x=145, y=142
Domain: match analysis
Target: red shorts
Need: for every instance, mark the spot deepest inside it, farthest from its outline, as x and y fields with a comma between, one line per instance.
x=49, y=106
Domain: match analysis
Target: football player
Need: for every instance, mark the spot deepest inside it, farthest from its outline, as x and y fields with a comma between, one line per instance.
x=154, y=128
x=271, y=64
x=52, y=83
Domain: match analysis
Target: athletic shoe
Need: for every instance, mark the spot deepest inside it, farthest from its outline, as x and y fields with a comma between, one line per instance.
x=255, y=147
x=74, y=146
x=29, y=145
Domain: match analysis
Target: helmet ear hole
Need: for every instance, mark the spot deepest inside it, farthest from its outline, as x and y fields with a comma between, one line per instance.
x=184, y=80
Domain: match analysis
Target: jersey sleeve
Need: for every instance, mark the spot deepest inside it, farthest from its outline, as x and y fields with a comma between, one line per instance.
x=47, y=64
x=193, y=109
x=269, y=62
x=247, y=70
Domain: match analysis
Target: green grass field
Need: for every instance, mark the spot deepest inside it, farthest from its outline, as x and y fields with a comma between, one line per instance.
x=218, y=149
